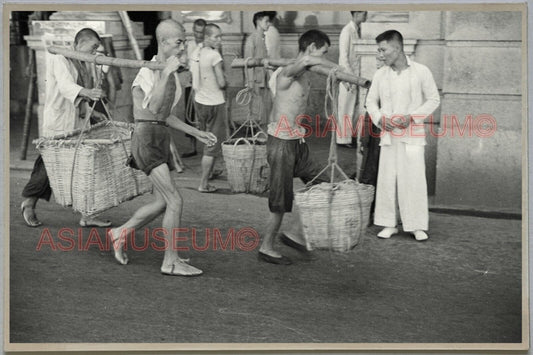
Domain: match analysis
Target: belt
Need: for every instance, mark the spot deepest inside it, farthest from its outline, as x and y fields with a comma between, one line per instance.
x=156, y=122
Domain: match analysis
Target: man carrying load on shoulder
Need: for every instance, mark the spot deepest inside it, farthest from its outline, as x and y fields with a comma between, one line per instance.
x=155, y=93
x=68, y=87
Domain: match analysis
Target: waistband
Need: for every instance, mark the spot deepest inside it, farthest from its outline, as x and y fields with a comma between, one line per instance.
x=300, y=140
x=156, y=122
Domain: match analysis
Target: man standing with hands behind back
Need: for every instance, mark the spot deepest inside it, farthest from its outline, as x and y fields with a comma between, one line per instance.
x=402, y=95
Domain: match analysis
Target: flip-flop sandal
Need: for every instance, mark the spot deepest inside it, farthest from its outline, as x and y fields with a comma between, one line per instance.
x=171, y=273
x=31, y=221
x=209, y=189
x=113, y=243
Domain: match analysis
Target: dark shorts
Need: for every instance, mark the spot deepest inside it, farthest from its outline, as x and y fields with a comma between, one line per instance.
x=211, y=119
x=288, y=159
x=150, y=147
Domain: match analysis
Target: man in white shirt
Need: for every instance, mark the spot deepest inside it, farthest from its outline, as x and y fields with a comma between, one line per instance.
x=209, y=84
x=402, y=95
x=186, y=77
x=350, y=62
x=64, y=97
x=255, y=47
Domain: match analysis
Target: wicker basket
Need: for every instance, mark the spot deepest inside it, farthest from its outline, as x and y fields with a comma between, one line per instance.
x=246, y=163
x=97, y=170
x=334, y=216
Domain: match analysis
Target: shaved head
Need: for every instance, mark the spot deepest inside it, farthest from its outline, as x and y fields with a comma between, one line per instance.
x=210, y=28
x=168, y=29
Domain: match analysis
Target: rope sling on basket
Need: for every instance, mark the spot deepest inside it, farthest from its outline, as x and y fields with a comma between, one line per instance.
x=246, y=157
x=87, y=168
x=334, y=215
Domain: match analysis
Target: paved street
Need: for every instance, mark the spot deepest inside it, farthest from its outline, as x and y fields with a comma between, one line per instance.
x=463, y=285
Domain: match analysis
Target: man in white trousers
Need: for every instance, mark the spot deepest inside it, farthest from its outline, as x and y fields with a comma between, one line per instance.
x=350, y=62
x=403, y=94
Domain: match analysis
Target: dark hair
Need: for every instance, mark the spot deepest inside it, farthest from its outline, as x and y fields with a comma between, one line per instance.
x=390, y=35
x=259, y=15
x=86, y=33
x=317, y=37
x=271, y=15
x=209, y=28
x=353, y=12
x=200, y=22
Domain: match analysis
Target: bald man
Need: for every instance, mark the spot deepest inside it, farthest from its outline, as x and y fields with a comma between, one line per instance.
x=155, y=93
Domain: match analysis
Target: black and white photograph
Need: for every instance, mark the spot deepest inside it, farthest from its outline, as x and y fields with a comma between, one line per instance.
x=265, y=177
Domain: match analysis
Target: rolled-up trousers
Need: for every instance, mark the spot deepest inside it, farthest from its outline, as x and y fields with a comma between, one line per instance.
x=402, y=182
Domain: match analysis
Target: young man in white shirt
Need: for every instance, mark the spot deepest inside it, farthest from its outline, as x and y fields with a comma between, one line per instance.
x=192, y=46
x=402, y=95
x=209, y=84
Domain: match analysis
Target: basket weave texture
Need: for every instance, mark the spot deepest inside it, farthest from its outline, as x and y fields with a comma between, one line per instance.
x=247, y=165
x=334, y=216
x=97, y=169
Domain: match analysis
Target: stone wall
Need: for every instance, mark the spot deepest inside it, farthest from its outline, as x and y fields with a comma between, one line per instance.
x=482, y=75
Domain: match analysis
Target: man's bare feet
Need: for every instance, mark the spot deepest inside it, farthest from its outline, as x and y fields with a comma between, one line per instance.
x=179, y=268
x=93, y=222
x=118, y=245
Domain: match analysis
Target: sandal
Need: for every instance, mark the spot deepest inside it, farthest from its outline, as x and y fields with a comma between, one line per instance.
x=208, y=189
x=31, y=220
x=185, y=269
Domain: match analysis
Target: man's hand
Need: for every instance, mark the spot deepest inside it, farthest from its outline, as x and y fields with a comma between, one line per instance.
x=92, y=94
x=172, y=65
x=207, y=138
x=401, y=122
x=98, y=116
x=349, y=86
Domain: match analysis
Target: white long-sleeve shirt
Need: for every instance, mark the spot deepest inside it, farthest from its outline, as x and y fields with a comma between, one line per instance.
x=411, y=92
x=60, y=113
x=348, y=59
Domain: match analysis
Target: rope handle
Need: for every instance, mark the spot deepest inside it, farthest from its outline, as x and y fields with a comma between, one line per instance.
x=256, y=136
x=240, y=140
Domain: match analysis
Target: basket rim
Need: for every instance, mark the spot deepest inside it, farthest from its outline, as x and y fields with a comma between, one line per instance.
x=62, y=138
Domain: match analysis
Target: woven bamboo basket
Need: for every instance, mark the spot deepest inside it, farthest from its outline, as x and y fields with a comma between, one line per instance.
x=334, y=216
x=94, y=177
x=246, y=163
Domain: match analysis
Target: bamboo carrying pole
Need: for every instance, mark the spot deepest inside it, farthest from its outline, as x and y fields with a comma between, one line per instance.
x=103, y=60
x=29, y=106
x=321, y=69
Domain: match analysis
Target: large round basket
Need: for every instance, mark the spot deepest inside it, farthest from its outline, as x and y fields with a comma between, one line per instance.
x=334, y=216
x=246, y=163
x=94, y=177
